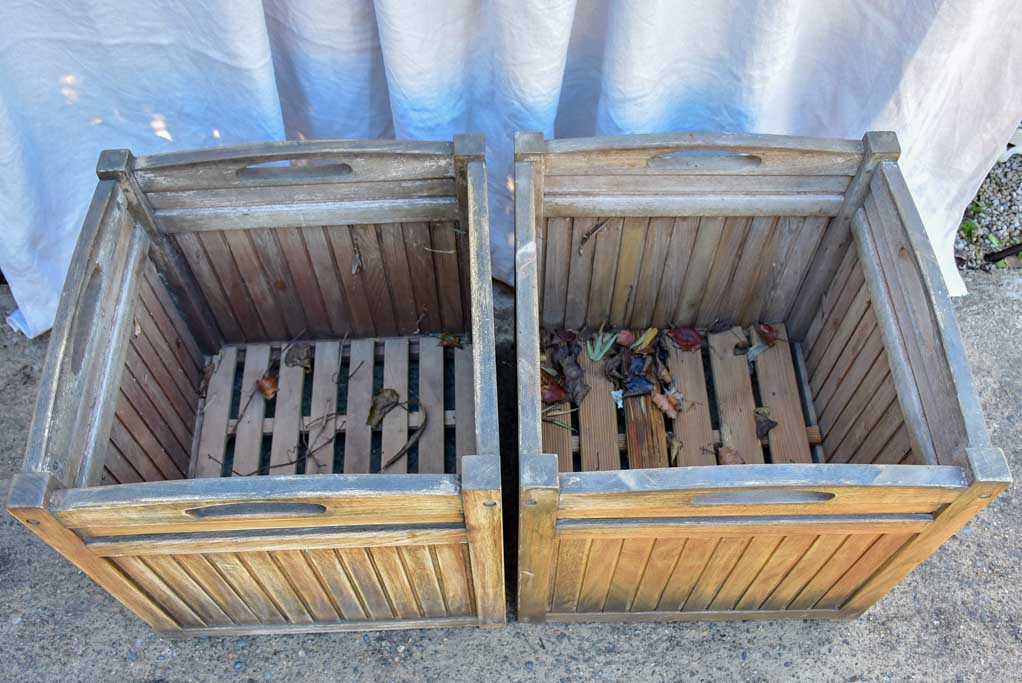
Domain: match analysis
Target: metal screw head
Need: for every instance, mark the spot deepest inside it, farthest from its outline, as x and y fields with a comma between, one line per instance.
x=33, y=522
x=490, y=504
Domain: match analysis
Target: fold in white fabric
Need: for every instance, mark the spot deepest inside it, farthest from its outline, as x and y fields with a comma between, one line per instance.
x=80, y=76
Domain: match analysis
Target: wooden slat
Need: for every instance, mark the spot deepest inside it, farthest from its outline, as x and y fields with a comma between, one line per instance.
x=305, y=583
x=716, y=571
x=237, y=574
x=362, y=572
x=365, y=241
x=275, y=286
x=326, y=275
x=884, y=430
x=264, y=568
x=713, y=309
x=287, y=419
x=320, y=448
x=358, y=437
x=675, y=184
x=395, y=581
x=597, y=418
x=221, y=258
x=832, y=338
x=692, y=205
x=335, y=579
x=402, y=287
x=349, y=269
x=605, y=243
x=556, y=438
x=572, y=557
x=130, y=433
x=580, y=274
x=693, y=425
x=425, y=580
x=599, y=571
x=418, y=247
x=698, y=272
x=214, y=584
x=119, y=467
x=757, y=553
x=662, y=558
x=152, y=584
x=169, y=319
x=213, y=439
x=855, y=359
x=645, y=433
x=147, y=369
x=155, y=410
x=295, y=260
x=754, y=259
x=683, y=237
x=896, y=449
x=557, y=254
x=735, y=400
x=784, y=557
x=452, y=561
x=779, y=393
x=818, y=554
x=844, y=557
x=395, y=423
x=796, y=266
x=869, y=372
x=628, y=572
x=841, y=449
x=185, y=586
x=862, y=570
x=771, y=269
x=629, y=262
x=431, y=398
x=654, y=256
x=445, y=260
x=464, y=404
x=195, y=254
x=687, y=570
x=248, y=441
x=835, y=291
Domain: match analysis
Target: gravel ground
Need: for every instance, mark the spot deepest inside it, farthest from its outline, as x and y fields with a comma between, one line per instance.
x=992, y=221
x=956, y=618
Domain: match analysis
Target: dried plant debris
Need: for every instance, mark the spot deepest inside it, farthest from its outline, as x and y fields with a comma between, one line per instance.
x=450, y=341
x=299, y=355
x=552, y=390
x=729, y=456
x=562, y=348
x=267, y=385
x=383, y=403
x=763, y=425
x=686, y=338
x=768, y=334
x=667, y=404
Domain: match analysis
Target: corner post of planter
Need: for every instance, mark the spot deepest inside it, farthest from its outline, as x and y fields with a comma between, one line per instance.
x=29, y=502
x=481, y=498
x=538, y=499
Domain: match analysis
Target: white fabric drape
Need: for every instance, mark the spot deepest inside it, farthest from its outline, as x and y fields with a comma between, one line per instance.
x=79, y=76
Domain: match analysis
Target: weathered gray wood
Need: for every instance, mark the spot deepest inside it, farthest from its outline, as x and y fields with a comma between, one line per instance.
x=209, y=457
x=556, y=206
x=527, y=312
x=877, y=146
x=480, y=491
x=537, y=517
x=695, y=184
x=319, y=453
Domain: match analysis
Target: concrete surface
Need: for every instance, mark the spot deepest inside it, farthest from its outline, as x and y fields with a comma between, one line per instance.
x=958, y=617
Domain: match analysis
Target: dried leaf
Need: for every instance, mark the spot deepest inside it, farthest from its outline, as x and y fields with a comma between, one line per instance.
x=729, y=456
x=768, y=334
x=138, y=328
x=763, y=425
x=299, y=355
x=666, y=405
x=676, y=445
x=383, y=403
x=720, y=326
x=644, y=344
x=450, y=341
x=267, y=385
x=742, y=347
x=686, y=338
x=625, y=338
x=356, y=261
x=553, y=391
x=636, y=383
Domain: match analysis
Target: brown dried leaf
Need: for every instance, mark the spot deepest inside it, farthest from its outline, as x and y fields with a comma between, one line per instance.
x=729, y=456
x=450, y=341
x=768, y=334
x=667, y=405
x=763, y=425
x=625, y=338
x=267, y=385
x=383, y=403
x=676, y=445
x=686, y=338
x=553, y=391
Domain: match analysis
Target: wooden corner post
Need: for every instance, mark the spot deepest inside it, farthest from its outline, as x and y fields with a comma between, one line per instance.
x=480, y=495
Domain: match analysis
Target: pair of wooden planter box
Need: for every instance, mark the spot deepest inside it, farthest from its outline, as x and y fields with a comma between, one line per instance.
x=235, y=318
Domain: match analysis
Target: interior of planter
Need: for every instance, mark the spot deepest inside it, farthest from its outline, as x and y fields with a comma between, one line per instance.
x=740, y=392
x=317, y=322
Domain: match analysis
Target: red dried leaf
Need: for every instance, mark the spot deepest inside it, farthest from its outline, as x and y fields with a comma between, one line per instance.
x=667, y=405
x=625, y=338
x=686, y=338
x=267, y=386
x=553, y=391
x=768, y=334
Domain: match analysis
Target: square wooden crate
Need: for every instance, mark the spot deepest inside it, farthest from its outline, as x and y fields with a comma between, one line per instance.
x=880, y=450
x=202, y=445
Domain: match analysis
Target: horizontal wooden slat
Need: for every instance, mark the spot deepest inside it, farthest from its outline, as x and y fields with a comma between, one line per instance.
x=701, y=615
x=160, y=507
x=284, y=539
x=330, y=627
x=300, y=215
x=414, y=420
x=694, y=184
x=813, y=437
x=715, y=527
x=621, y=205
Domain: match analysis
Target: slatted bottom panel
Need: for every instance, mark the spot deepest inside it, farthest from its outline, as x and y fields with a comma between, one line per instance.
x=724, y=399
x=307, y=587
x=700, y=574
x=318, y=420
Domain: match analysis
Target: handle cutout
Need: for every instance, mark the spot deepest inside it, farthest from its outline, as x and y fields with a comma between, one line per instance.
x=257, y=509
x=763, y=497
x=704, y=160
x=284, y=170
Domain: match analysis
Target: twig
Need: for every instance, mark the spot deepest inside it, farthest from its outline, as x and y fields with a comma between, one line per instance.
x=563, y=425
x=440, y=251
x=412, y=440
x=591, y=233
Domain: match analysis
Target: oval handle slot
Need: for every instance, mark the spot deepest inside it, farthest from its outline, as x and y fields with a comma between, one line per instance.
x=284, y=170
x=257, y=509
x=763, y=497
x=704, y=160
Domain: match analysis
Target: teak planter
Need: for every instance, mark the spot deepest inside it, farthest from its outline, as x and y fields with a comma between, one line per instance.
x=327, y=270
x=881, y=450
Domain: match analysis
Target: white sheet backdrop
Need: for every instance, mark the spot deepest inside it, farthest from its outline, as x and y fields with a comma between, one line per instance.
x=78, y=76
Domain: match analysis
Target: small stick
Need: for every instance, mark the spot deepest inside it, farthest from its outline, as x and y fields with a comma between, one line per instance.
x=412, y=440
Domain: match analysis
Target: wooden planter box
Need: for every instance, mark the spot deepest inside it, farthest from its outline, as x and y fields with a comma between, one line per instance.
x=332, y=267
x=881, y=451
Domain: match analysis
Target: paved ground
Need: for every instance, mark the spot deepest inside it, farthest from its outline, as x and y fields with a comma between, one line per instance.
x=959, y=617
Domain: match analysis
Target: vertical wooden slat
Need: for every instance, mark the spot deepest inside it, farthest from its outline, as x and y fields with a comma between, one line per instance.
x=357, y=433
x=811, y=232
x=693, y=425
x=431, y=398
x=365, y=241
x=605, y=243
x=445, y=259
x=746, y=569
x=213, y=438
x=199, y=568
x=120, y=468
x=557, y=250
x=249, y=440
x=348, y=267
x=279, y=287
x=190, y=592
x=326, y=275
x=254, y=277
x=580, y=274
x=828, y=303
x=572, y=557
x=239, y=298
x=683, y=238
x=395, y=423
x=774, y=260
x=158, y=590
x=645, y=433
x=717, y=570
x=395, y=582
x=305, y=583
x=895, y=450
x=597, y=418
x=287, y=417
x=402, y=287
x=334, y=576
x=687, y=570
x=263, y=566
x=169, y=319
x=142, y=361
x=629, y=263
x=778, y=390
x=454, y=573
x=847, y=312
x=464, y=404
x=212, y=290
x=843, y=558
x=418, y=248
x=755, y=260
x=599, y=571
x=234, y=571
x=662, y=558
x=322, y=424
x=804, y=570
x=865, y=340
x=630, y=566
x=863, y=569
x=363, y=575
x=698, y=272
x=556, y=438
x=305, y=280
x=418, y=562
x=654, y=256
x=784, y=557
x=735, y=400
x=716, y=290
